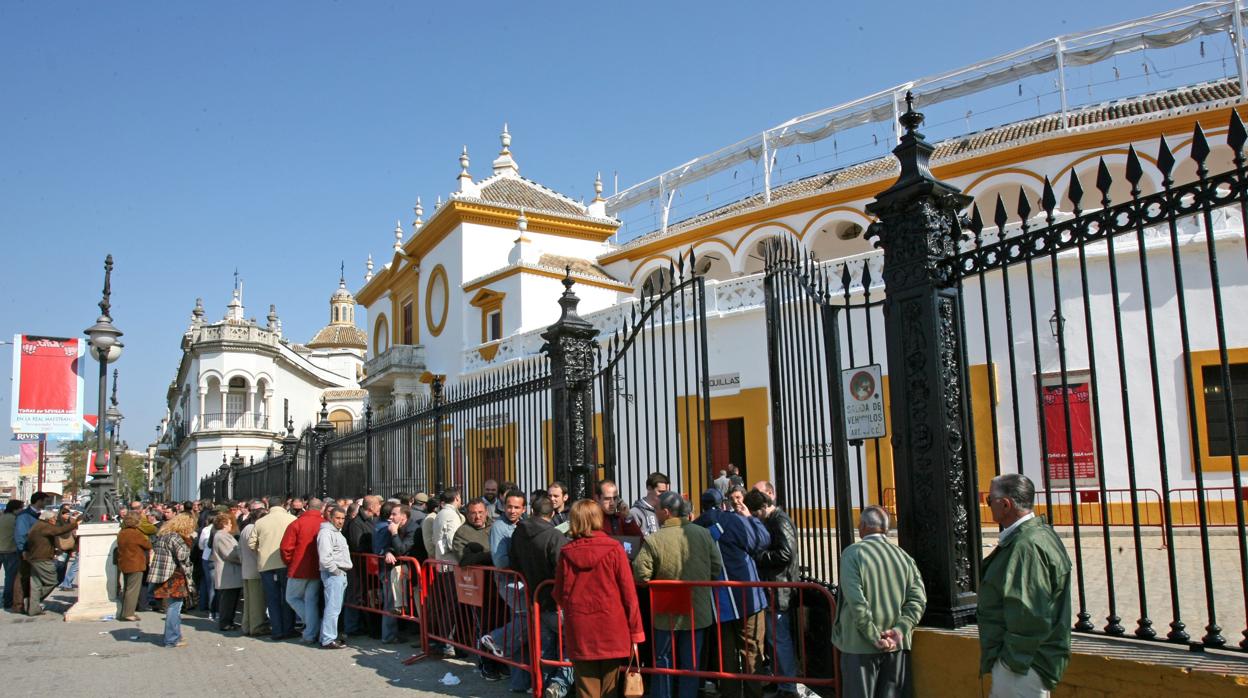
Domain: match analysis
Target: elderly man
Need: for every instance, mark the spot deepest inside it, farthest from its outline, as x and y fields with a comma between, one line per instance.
x=489, y=493
x=882, y=599
x=40, y=551
x=678, y=550
x=471, y=545
x=1024, y=596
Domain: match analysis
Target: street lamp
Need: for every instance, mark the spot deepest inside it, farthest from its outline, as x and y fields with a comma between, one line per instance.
x=106, y=347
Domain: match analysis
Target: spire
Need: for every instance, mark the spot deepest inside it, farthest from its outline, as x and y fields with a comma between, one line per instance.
x=234, y=311
x=598, y=187
x=342, y=274
x=272, y=324
x=504, y=164
x=597, y=207
x=368, y=266
x=437, y=203
x=466, y=185
x=398, y=236
x=419, y=220
x=197, y=313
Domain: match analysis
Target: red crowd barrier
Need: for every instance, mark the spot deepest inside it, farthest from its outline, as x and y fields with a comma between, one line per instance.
x=462, y=604
x=813, y=603
x=372, y=582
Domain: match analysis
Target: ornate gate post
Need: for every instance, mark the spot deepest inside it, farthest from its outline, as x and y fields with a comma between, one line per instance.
x=938, y=515
x=290, y=446
x=571, y=346
x=324, y=429
x=439, y=447
x=231, y=475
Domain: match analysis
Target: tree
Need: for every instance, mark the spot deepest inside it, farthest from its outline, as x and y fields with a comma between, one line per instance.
x=131, y=473
x=75, y=453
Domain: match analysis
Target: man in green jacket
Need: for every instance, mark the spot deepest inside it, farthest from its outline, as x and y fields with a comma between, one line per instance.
x=882, y=599
x=1024, y=596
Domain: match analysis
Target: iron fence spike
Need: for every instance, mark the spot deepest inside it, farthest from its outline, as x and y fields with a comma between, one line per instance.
x=1165, y=160
x=1074, y=193
x=1200, y=146
x=977, y=222
x=1134, y=171
x=1236, y=135
x=1000, y=216
x=1047, y=198
x=1024, y=206
x=1104, y=181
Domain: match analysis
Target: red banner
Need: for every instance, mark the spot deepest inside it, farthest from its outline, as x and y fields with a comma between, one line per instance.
x=1058, y=458
x=47, y=387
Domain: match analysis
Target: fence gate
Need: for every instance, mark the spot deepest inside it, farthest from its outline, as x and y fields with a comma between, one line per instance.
x=822, y=320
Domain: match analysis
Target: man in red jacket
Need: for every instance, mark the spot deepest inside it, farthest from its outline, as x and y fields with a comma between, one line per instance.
x=303, y=571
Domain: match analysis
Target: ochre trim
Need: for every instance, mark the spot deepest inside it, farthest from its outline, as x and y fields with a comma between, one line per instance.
x=750, y=404
x=454, y=213
x=512, y=271
x=488, y=301
x=438, y=275
x=1197, y=360
x=487, y=352
x=1100, y=138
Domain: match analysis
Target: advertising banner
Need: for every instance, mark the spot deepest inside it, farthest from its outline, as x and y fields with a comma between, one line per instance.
x=1059, y=458
x=28, y=460
x=47, y=385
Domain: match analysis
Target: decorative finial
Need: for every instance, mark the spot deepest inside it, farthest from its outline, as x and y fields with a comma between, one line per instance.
x=437, y=204
x=911, y=119
x=368, y=266
x=567, y=278
x=198, y=311
x=290, y=426
x=106, y=301
x=420, y=212
x=342, y=274
x=272, y=317
x=113, y=399
x=398, y=235
x=324, y=409
x=522, y=223
x=505, y=137
x=463, y=163
x=598, y=187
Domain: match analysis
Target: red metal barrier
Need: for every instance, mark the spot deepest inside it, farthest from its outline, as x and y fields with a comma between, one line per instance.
x=1219, y=506
x=370, y=575
x=463, y=604
x=676, y=598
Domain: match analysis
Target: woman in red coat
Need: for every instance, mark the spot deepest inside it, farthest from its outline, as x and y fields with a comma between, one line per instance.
x=594, y=587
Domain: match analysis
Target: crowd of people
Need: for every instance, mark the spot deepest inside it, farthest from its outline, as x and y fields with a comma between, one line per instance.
x=289, y=563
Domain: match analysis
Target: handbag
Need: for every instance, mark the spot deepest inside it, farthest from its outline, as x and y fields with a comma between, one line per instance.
x=66, y=543
x=634, y=686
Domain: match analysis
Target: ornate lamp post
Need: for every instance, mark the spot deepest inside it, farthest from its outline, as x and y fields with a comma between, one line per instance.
x=106, y=347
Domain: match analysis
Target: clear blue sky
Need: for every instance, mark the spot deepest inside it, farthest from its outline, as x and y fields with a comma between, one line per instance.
x=190, y=139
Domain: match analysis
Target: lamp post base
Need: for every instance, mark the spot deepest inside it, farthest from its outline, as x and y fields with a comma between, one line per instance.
x=103, y=504
x=97, y=575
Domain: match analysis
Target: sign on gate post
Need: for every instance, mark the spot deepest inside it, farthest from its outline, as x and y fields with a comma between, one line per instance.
x=863, y=403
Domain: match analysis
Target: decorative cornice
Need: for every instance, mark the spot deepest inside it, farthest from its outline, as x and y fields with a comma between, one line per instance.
x=550, y=272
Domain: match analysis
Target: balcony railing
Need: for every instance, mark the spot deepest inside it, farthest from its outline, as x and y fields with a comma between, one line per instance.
x=228, y=421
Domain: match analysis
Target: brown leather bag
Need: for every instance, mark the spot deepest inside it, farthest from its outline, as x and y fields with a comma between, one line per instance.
x=66, y=542
x=634, y=687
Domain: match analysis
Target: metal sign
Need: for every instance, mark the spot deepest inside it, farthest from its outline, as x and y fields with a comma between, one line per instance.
x=863, y=402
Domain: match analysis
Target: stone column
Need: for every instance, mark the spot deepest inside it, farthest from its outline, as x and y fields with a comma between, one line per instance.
x=97, y=575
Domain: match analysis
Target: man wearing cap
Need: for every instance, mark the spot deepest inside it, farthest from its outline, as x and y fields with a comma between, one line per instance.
x=740, y=538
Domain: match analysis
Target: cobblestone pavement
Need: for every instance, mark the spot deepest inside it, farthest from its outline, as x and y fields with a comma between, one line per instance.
x=45, y=655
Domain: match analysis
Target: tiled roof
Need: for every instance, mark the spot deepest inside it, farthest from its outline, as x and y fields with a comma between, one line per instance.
x=580, y=266
x=964, y=146
x=335, y=336
x=515, y=191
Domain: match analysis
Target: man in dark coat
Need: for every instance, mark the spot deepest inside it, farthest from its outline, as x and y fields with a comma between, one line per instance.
x=359, y=535
x=778, y=563
x=534, y=553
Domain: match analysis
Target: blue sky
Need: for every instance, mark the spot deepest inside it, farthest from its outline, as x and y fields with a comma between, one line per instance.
x=278, y=138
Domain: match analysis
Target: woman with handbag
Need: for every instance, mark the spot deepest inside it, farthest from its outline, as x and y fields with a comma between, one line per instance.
x=594, y=587
x=227, y=569
x=132, y=550
x=171, y=571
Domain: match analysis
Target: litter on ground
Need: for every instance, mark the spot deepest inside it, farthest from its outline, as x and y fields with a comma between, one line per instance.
x=449, y=680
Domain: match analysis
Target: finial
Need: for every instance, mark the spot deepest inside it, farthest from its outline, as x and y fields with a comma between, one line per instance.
x=505, y=137
x=342, y=274
x=106, y=302
x=911, y=119
x=398, y=235
x=463, y=163
x=113, y=399
x=324, y=409
x=368, y=266
x=598, y=187
x=272, y=317
x=567, y=277
x=420, y=212
x=437, y=204
x=522, y=223
x=198, y=311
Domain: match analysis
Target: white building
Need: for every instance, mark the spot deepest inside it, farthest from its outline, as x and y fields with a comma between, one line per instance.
x=238, y=382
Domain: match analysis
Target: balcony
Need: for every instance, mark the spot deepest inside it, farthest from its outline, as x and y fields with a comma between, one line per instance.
x=234, y=421
x=399, y=361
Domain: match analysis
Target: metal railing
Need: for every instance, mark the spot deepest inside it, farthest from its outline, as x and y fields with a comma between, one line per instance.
x=227, y=421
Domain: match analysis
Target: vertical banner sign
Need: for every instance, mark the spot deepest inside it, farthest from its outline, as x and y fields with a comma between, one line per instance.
x=1082, y=454
x=28, y=460
x=47, y=385
x=864, y=403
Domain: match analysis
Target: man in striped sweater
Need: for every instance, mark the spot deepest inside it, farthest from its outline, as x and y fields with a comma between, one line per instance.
x=881, y=600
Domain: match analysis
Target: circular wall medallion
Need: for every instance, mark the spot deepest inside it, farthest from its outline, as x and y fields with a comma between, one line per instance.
x=437, y=299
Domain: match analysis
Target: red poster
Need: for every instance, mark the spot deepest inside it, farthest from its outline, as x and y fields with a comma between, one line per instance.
x=1058, y=458
x=47, y=390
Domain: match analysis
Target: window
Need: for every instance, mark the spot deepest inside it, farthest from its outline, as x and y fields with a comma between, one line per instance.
x=408, y=322
x=1214, y=396
x=494, y=325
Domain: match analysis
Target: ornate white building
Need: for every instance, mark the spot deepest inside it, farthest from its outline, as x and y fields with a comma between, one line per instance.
x=239, y=382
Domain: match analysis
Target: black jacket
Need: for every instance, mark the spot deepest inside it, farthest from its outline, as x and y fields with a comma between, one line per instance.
x=778, y=563
x=534, y=553
x=359, y=534
x=402, y=543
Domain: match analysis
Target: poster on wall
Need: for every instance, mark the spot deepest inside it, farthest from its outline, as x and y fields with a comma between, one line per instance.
x=47, y=385
x=1077, y=451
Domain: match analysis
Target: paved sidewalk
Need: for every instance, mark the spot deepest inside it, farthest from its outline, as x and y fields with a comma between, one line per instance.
x=44, y=655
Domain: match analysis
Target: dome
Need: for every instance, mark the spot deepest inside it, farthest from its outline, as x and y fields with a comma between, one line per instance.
x=339, y=336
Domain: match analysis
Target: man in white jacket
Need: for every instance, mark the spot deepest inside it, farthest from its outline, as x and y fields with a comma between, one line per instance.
x=335, y=560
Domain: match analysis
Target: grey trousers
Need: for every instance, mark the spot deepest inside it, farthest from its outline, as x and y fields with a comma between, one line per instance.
x=42, y=582
x=883, y=675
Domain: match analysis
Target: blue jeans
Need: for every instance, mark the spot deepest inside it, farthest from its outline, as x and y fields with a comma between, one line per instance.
x=550, y=650
x=71, y=575
x=780, y=627
x=304, y=596
x=173, y=623
x=335, y=586
x=10, y=562
x=281, y=617
x=686, y=686
x=389, y=624
x=511, y=636
x=205, y=594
